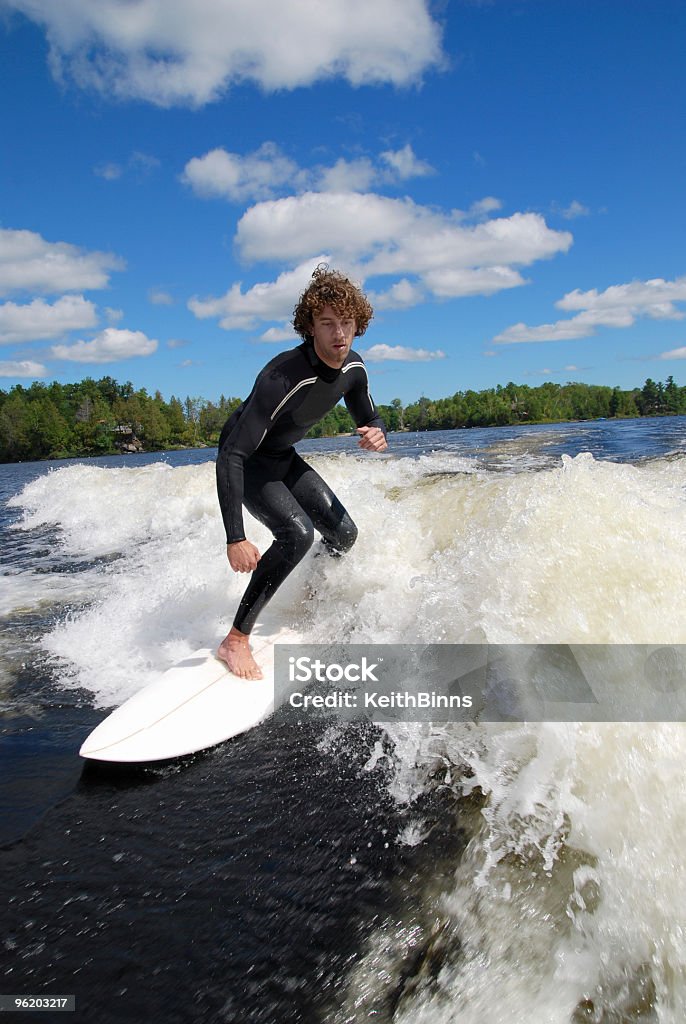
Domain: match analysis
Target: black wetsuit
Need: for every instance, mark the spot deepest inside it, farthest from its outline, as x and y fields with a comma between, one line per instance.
x=257, y=465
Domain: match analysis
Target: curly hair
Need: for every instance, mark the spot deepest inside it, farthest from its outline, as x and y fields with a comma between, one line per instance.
x=331, y=288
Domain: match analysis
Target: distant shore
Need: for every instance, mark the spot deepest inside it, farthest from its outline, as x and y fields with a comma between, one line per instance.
x=348, y=433
x=92, y=418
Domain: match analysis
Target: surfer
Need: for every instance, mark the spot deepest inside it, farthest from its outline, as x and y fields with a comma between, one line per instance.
x=257, y=465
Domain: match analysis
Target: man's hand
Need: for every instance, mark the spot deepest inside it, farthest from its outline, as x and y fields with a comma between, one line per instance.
x=372, y=439
x=243, y=556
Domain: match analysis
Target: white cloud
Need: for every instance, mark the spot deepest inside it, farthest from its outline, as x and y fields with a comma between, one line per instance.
x=674, y=353
x=405, y=164
x=391, y=236
x=109, y=346
x=177, y=343
x=618, y=306
x=158, y=297
x=264, y=301
x=400, y=295
x=563, y=330
x=113, y=315
x=22, y=368
x=346, y=176
x=483, y=207
x=435, y=254
x=266, y=171
x=574, y=210
x=447, y=283
x=235, y=177
x=654, y=298
x=140, y=163
x=280, y=334
x=29, y=263
x=39, y=320
x=362, y=173
x=400, y=353
x=190, y=51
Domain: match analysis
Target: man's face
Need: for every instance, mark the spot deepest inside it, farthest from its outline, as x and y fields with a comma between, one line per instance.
x=333, y=336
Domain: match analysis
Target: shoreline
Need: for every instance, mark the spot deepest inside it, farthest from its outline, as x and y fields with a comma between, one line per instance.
x=65, y=457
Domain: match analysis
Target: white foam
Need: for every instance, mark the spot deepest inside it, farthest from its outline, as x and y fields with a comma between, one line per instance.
x=574, y=887
x=587, y=552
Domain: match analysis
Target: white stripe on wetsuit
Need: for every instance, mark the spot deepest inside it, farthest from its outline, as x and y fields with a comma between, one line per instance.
x=349, y=367
x=310, y=380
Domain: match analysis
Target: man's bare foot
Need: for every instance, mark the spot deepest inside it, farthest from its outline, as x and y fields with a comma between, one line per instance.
x=235, y=651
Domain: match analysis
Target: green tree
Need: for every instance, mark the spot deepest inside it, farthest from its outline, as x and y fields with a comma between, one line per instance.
x=649, y=401
x=14, y=427
x=671, y=396
x=173, y=413
x=47, y=431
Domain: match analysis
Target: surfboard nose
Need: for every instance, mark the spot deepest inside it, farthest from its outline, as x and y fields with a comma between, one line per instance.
x=196, y=704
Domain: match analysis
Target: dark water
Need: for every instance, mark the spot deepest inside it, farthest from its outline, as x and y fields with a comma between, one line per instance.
x=233, y=887
x=236, y=886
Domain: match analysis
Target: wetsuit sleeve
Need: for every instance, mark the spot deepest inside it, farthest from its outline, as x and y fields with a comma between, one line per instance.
x=360, y=404
x=242, y=440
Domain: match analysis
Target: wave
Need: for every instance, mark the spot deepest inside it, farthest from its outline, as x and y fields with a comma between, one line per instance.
x=566, y=905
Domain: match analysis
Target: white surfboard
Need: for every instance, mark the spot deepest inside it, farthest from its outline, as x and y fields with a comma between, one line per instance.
x=194, y=705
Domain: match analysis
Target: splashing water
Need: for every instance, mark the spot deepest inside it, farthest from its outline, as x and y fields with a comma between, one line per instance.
x=567, y=904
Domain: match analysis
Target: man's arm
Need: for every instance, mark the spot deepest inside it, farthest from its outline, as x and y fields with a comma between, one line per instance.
x=370, y=426
x=245, y=437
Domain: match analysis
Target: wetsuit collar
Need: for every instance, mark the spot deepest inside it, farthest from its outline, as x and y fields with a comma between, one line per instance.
x=327, y=373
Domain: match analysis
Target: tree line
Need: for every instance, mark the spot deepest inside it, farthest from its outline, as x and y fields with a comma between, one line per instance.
x=103, y=417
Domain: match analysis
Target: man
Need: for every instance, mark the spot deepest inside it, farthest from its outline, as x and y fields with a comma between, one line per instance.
x=257, y=465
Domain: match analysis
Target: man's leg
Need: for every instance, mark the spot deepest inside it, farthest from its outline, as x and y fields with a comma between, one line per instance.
x=289, y=507
x=327, y=513
x=271, y=502
x=277, y=508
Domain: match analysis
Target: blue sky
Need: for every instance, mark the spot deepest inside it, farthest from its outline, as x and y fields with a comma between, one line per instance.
x=505, y=178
